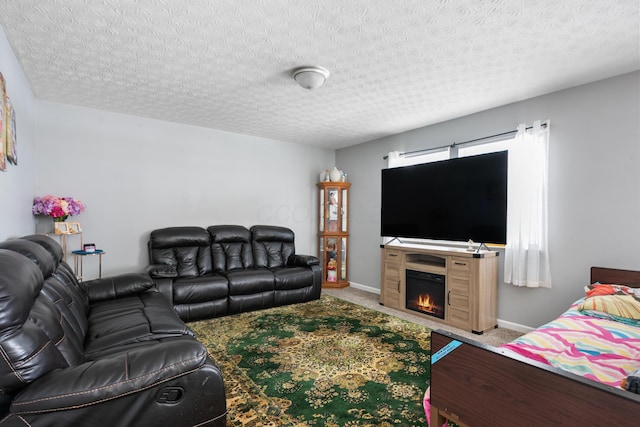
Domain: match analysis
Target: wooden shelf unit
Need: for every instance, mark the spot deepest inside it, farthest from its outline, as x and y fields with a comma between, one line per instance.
x=333, y=233
x=471, y=282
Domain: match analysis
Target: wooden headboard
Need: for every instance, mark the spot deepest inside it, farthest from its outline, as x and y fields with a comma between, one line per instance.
x=611, y=275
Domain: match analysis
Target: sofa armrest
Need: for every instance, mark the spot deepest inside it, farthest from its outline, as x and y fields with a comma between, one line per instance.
x=165, y=287
x=162, y=271
x=105, y=379
x=117, y=286
x=302, y=260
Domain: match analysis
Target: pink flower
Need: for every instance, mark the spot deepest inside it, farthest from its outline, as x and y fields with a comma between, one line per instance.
x=56, y=207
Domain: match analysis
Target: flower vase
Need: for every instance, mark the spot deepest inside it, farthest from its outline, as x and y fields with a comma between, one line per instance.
x=44, y=224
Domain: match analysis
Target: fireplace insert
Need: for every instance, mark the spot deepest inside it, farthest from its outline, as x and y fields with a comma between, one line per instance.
x=426, y=293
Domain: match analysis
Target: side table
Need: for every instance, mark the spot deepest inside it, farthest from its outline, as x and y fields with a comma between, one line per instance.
x=78, y=257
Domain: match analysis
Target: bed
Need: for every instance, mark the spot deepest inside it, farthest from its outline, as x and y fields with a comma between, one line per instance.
x=571, y=371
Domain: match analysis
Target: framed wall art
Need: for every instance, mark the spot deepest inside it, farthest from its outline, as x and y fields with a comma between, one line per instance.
x=3, y=131
x=10, y=137
x=3, y=121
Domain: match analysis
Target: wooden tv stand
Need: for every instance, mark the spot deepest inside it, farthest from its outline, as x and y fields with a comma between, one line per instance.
x=471, y=282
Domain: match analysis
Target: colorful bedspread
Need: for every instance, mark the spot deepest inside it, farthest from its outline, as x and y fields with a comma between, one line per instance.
x=599, y=349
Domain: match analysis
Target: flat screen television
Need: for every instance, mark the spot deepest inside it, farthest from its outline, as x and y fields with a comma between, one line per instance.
x=455, y=200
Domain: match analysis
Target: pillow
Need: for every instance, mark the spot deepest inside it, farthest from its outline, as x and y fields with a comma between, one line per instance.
x=610, y=289
x=620, y=307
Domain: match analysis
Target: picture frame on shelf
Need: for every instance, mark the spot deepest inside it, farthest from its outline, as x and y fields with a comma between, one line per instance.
x=74, y=228
x=61, y=228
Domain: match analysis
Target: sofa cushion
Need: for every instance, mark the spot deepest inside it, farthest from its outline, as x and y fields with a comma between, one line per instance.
x=230, y=247
x=30, y=325
x=115, y=287
x=142, y=317
x=200, y=289
x=185, y=248
x=36, y=253
x=190, y=312
x=48, y=243
x=292, y=277
x=272, y=245
x=245, y=282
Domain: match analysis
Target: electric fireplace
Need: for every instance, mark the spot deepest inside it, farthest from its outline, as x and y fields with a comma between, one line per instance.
x=425, y=293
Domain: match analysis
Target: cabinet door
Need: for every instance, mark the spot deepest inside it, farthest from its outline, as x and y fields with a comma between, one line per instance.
x=392, y=278
x=458, y=292
x=333, y=210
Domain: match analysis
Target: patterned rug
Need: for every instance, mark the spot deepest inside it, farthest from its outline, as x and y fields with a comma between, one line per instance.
x=322, y=363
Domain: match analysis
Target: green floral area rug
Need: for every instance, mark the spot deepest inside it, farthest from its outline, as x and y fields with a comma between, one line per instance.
x=322, y=363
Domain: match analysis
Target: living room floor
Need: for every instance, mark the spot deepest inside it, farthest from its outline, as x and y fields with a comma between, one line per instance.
x=371, y=300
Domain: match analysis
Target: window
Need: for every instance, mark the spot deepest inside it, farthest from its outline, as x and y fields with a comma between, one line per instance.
x=397, y=159
x=527, y=254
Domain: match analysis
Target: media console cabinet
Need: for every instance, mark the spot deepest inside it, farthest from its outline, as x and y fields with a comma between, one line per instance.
x=449, y=285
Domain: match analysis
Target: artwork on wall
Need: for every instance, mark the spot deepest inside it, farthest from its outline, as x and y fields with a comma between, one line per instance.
x=8, y=140
x=11, y=140
x=3, y=130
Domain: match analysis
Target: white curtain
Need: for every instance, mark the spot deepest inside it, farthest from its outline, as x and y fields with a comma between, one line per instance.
x=527, y=252
x=394, y=159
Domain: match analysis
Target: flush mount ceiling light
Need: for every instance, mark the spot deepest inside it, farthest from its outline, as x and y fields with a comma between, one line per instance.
x=310, y=77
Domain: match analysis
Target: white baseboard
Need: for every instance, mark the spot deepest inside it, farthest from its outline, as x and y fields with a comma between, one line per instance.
x=364, y=288
x=514, y=326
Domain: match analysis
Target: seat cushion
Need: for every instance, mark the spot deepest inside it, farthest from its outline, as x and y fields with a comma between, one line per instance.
x=200, y=289
x=292, y=277
x=136, y=318
x=244, y=282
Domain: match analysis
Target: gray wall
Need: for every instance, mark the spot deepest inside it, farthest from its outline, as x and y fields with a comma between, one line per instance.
x=17, y=183
x=136, y=175
x=594, y=188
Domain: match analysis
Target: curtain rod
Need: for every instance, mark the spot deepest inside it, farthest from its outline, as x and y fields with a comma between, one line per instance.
x=425, y=150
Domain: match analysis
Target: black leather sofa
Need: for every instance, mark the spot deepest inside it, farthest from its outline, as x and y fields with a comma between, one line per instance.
x=227, y=269
x=108, y=352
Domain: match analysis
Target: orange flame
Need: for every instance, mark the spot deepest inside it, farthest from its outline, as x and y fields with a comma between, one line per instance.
x=425, y=303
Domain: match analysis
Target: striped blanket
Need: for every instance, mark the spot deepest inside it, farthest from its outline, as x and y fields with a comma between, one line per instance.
x=603, y=350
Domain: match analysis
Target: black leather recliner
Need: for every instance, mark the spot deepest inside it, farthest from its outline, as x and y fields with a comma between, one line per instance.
x=110, y=351
x=229, y=269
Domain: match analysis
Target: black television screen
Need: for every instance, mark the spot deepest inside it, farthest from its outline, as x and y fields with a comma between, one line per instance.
x=457, y=200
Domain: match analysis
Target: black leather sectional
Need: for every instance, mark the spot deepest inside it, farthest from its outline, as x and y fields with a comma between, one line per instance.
x=108, y=352
x=227, y=269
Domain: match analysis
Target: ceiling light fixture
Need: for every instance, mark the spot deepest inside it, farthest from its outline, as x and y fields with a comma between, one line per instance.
x=310, y=77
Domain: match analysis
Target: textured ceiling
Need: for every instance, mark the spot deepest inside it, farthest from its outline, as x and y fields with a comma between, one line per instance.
x=395, y=65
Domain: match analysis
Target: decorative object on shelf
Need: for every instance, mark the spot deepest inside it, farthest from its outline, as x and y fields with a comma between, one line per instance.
x=58, y=208
x=333, y=232
x=89, y=247
x=335, y=175
x=62, y=227
x=44, y=224
x=310, y=77
x=325, y=175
